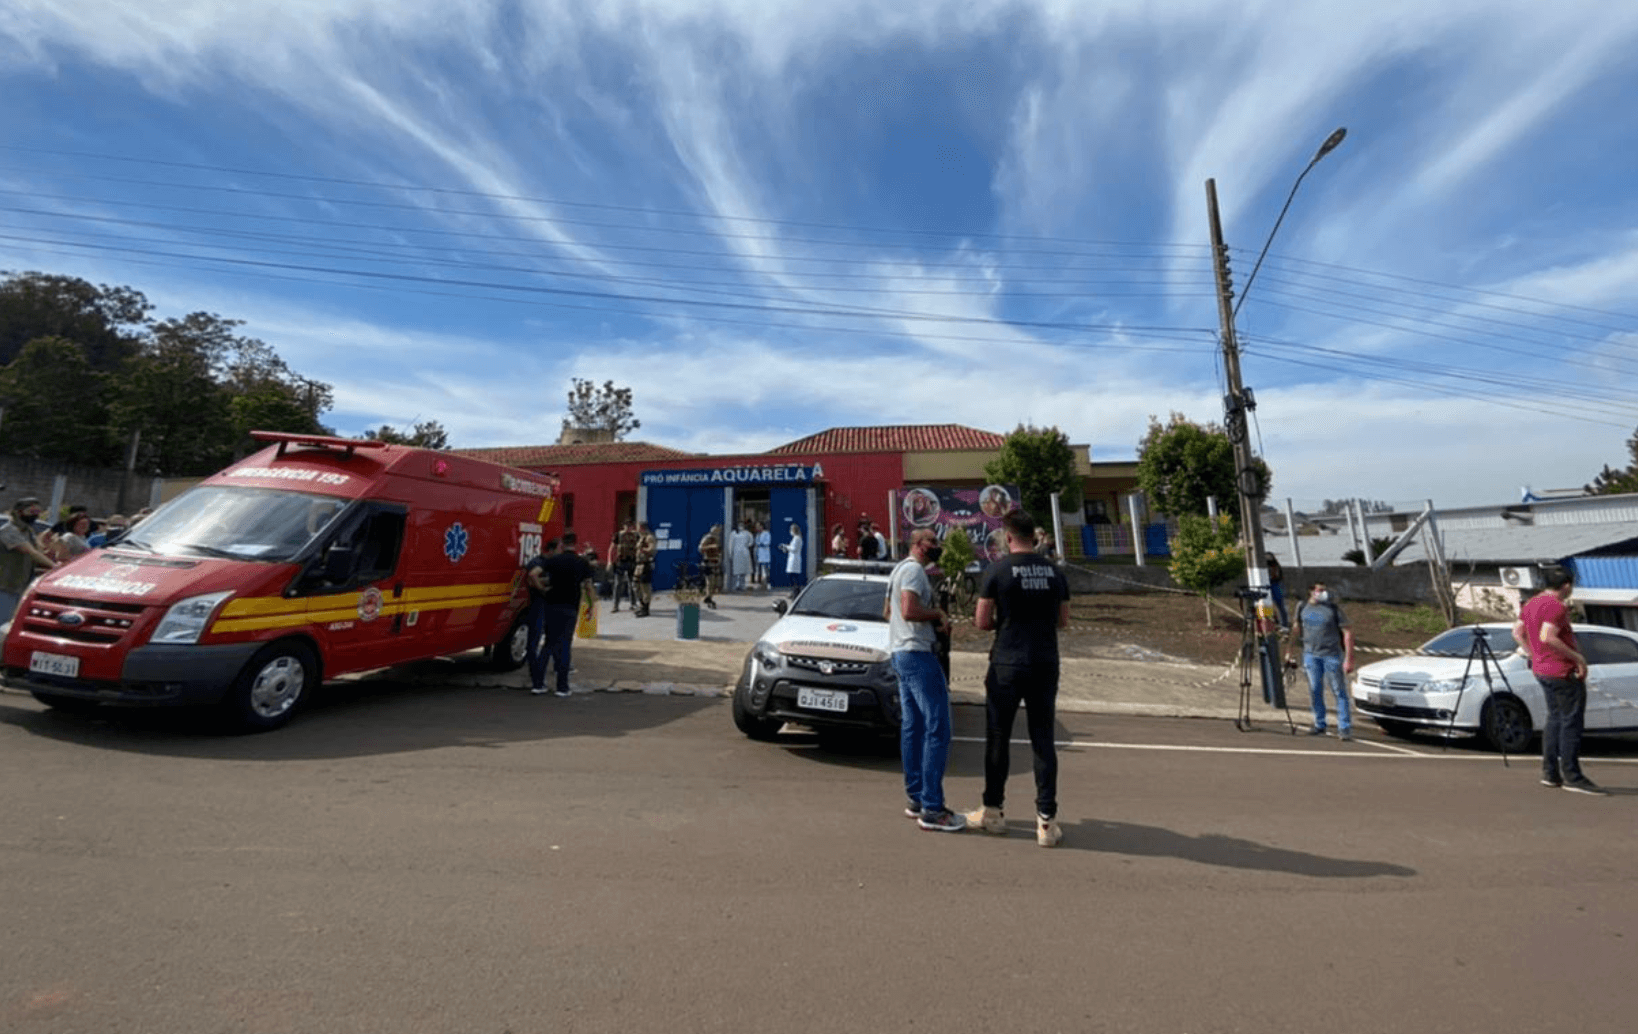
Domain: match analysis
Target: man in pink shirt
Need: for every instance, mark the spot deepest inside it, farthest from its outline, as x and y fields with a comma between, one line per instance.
x=1543, y=628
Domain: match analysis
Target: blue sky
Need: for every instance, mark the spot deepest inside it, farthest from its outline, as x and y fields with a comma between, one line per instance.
x=768, y=218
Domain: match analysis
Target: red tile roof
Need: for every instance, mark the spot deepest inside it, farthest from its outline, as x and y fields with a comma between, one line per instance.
x=896, y=438
x=549, y=456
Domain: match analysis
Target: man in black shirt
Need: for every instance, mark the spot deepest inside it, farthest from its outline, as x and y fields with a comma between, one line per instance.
x=1025, y=599
x=558, y=582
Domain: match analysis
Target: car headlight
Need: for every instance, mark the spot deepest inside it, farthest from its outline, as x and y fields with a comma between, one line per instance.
x=186, y=620
x=767, y=655
x=1443, y=685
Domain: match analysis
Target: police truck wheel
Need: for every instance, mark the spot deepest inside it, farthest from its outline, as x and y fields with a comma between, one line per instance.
x=510, y=653
x=749, y=724
x=272, y=686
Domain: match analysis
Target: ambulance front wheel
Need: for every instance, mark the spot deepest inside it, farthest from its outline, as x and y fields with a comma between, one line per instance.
x=510, y=653
x=277, y=679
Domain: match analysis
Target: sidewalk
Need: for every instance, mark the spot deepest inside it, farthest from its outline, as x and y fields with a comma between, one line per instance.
x=633, y=654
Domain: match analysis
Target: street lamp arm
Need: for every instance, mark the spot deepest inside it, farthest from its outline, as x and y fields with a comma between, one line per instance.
x=1326, y=148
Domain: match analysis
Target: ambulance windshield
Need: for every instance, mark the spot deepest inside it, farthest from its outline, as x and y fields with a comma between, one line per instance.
x=266, y=524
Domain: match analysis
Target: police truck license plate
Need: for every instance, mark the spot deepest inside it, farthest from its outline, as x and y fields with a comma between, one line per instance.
x=821, y=699
x=54, y=664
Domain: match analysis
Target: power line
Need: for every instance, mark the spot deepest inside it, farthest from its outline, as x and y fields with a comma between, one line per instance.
x=808, y=328
x=1399, y=277
x=857, y=313
x=552, y=220
x=850, y=261
x=564, y=203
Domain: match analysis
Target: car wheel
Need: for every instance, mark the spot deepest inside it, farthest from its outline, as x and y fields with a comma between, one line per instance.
x=749, y=724
x=513, y=649
x=1506, y=725
x=271, y=687
x=67, y=704
x=1398, y=730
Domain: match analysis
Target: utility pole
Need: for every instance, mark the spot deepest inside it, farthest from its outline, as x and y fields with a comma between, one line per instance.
x=1236, y=404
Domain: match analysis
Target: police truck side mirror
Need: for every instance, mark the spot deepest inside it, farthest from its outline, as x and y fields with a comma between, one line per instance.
x=781, y=606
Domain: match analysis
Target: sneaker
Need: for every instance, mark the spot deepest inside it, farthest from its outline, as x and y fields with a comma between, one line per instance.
x=942, y=821
x=1316, y=730
x=538, y=690
x=912, y=810
x=1344, y=736
x=559, y=692
x=1047, y=831
x=1581, y=784
x=1551, y=780
x=990, y=820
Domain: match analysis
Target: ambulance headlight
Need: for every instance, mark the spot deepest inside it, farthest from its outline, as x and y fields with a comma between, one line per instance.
x=186, y=620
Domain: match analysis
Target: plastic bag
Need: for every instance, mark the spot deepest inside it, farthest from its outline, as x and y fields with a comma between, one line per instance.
x=586, y=626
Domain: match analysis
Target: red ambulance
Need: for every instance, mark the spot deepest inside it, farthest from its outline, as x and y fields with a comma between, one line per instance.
x=312, y=558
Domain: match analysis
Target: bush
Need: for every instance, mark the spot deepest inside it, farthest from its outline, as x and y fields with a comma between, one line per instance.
x=958, y=553
x=1205, y=554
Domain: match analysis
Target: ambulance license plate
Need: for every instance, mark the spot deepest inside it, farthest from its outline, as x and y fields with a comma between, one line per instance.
x=821, y=700
x=54, y=664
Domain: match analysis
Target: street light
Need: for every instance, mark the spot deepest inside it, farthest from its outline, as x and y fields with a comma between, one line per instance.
x=1248, y=480
x=1239, y=401
x=1326, y=148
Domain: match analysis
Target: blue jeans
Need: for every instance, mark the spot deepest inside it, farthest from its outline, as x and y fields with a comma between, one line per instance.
x=1561, y=733
x=1322, y=670
x=554, y=624
x=924, y=726
x=1276, y=592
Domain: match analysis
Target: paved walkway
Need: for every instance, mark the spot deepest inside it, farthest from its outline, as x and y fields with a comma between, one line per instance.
x=634, y=654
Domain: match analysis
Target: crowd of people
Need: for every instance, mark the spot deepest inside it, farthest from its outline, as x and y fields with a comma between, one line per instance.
x=30, y=545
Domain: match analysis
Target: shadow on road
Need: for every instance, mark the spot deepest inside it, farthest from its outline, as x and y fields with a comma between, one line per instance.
x=1215, y=849
x=382, y=715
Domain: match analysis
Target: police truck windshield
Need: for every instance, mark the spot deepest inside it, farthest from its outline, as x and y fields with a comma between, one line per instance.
x=265, y=524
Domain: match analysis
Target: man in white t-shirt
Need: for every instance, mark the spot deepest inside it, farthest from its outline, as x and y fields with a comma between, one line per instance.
x=924, y=696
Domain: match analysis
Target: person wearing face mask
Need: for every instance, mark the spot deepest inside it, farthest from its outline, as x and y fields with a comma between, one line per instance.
x=924, y=695
x=20, y=554
x=1327, y=655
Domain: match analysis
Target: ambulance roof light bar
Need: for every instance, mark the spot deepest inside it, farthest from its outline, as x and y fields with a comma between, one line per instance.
x=317, y=441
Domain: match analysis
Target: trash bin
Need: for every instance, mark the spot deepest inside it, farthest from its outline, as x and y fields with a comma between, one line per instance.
x=688, y=621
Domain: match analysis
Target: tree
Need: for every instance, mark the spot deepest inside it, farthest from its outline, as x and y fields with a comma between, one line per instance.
x=1040, y=462
x=426, y=434
x=56, y=404
x=1378, y=547
x=106, y=322
x=1182, y=464
x=606, y=409
x=1618, y=482
x=1206, y=554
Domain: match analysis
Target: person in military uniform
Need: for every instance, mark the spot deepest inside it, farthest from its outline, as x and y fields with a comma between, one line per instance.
x=647, y=551
x=625, y=565
x=711, y=564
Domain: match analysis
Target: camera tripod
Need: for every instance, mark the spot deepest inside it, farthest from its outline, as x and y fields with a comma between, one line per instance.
x=1264, y=652
x=1480, y=651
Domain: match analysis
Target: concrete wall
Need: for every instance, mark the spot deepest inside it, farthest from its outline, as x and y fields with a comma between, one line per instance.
x=95, y=487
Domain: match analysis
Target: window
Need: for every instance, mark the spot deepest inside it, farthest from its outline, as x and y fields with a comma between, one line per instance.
x=1603, y=648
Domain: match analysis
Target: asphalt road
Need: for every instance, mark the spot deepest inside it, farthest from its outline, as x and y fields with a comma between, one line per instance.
x=421, y=858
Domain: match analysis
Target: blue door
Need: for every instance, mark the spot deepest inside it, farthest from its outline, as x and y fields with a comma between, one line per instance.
x=679, y=518
x=787, y=506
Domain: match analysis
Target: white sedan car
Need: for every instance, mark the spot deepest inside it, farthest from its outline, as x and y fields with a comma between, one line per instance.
x=1443, y=689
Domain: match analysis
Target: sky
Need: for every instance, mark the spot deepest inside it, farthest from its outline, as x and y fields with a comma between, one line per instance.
x=772, y=217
